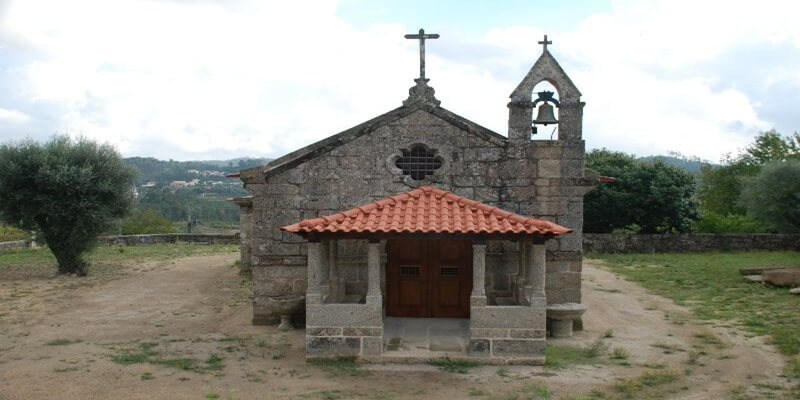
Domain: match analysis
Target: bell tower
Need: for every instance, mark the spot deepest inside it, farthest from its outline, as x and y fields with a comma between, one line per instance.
x=554, y=168
x=569, y=101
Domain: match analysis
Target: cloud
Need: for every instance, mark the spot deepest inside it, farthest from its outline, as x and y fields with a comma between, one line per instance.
x=13, y=116
x=210, y=79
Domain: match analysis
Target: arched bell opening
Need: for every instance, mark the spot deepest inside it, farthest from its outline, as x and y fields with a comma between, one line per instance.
x=545, y=99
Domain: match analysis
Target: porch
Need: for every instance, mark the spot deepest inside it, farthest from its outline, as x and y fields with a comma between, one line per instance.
x=402, y=283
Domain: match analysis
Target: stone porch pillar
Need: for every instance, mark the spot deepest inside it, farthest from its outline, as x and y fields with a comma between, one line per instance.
x=336, y=281
x=536, y=274
x=324, y=271
x=478, y=296
x=523, y=287
x=374, y=296
x=316, y=260
x=245, y=228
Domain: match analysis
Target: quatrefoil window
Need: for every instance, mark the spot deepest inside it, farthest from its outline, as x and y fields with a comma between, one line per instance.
x=418, y=162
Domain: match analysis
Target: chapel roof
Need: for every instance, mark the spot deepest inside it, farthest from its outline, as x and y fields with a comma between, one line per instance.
x=427, y=210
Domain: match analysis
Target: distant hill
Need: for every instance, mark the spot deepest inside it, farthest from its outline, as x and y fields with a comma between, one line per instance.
x=163, y=172
x=688, y=163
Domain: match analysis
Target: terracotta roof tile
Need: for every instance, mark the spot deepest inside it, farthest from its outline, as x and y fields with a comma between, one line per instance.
x=427, y=210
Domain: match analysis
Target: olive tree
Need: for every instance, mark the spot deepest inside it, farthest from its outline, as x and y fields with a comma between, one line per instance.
x=773, y=196
x=67, y=190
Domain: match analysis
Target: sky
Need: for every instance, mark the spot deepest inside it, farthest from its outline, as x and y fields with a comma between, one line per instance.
x=189, y=80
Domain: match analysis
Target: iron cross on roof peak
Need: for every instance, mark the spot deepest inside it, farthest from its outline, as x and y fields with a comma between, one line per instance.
x=544, y=43
x=422, y=36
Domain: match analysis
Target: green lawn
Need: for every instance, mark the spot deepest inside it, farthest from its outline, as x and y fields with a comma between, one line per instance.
x=103, y=259
x=710, y=285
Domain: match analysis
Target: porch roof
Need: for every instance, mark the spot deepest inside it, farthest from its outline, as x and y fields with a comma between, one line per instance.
x=426, y=211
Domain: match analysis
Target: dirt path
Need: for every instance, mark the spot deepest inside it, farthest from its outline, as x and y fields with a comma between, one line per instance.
x=657, y=331
x=181, y=330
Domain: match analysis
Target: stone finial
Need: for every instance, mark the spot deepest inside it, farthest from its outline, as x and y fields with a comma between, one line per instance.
x=421, y=93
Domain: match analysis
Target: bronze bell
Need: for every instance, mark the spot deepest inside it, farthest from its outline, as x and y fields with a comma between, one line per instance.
x=546, y=115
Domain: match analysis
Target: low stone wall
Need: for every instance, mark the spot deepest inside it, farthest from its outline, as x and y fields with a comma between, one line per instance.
x=134, y=240
x=690, y=242
x=16, y=244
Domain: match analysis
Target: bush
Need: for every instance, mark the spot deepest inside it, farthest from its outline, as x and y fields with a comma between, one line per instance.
x=648, y=197
x=146, y=222
x=70, y=191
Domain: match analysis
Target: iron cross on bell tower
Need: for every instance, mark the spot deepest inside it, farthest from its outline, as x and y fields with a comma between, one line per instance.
x=422, y=36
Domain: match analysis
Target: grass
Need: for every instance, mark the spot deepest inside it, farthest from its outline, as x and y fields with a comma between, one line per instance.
x=710, y=285
x=340, y=366
x=632, y=387
x=448, y=364
x=105, y=259
x=61, y=342
x=793, y=368
x=558, y=357
x=144, y=353
x=525, y=392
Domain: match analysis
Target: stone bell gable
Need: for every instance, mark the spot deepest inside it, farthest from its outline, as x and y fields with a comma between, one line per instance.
x=381, y=157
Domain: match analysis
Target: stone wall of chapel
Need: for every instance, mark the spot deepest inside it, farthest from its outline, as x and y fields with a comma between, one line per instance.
x=533, y=178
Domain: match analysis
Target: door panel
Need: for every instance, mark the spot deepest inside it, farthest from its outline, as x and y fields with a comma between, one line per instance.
x=429, y=278
x=451, y=282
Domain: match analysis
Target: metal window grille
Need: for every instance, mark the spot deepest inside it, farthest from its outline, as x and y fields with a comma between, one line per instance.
x=409, y=270
x=418, y=162
x=449, y=271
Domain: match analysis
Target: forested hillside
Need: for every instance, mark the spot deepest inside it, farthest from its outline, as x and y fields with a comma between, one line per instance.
x=163, y=172
x=687, y=163
x=172, y=193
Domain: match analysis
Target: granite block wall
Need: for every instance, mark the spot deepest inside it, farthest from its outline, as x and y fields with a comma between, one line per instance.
x=535, y=178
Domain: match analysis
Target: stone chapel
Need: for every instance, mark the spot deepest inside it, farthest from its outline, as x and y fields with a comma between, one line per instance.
x=420, y=233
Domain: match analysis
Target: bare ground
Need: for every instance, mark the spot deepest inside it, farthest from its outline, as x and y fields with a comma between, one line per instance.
x=79, y=338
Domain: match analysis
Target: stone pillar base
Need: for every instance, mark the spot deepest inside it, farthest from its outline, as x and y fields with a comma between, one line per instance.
x=561, y=328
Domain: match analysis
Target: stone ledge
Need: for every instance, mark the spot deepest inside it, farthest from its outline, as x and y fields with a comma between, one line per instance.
x=505, y=317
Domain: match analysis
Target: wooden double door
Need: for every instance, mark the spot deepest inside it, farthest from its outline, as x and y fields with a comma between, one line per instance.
x=428, y=278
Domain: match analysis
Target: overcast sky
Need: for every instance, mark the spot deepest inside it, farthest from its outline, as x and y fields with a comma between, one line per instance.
x=215, y=80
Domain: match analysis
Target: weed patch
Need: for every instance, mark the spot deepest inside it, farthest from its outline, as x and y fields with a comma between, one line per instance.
x=631, y=387
x=619, y=354
x=448, y=364
x=145, y=354
x=563, y=356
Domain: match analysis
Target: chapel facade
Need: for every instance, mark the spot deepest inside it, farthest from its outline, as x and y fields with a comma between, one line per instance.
x=422, y=218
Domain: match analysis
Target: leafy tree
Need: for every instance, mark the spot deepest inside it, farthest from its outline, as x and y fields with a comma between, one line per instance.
x=145, y=221
x=773, y=196
x=720, y=186
x=771, y=146
x=68, y=190
x=656, y=197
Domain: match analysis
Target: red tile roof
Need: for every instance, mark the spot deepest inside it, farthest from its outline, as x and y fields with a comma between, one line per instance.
x=427, y=210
